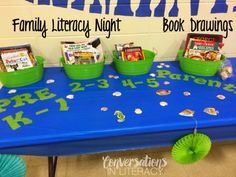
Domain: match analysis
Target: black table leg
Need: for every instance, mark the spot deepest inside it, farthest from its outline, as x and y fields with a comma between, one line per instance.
x=52, y=165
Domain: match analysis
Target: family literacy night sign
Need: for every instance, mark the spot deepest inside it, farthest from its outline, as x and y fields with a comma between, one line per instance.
x=170, y=23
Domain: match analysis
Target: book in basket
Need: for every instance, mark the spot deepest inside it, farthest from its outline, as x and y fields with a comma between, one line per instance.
x=15, y=58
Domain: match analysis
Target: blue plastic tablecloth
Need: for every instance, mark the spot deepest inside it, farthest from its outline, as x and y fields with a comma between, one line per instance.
x=54, y=124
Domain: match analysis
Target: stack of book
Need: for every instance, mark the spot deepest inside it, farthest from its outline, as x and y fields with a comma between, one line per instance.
x=83, y=52
x=15, y=58
x=129, y=52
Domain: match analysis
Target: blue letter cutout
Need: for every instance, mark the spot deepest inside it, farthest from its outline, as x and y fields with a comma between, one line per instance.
x=160, y=9
x=174, y=11
x=107, y=6
x=32, y=1
x=194, y=7
x=58, y=3
x=78, y=4
x=144, y=9
x=95, y=7
x=220, y=6
x=123, y=7
x=44, y=2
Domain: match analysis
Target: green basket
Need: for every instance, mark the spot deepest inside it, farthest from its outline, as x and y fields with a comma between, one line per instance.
x=83, y=71
x=134, y=67
x=197, y=67
x=23, y=77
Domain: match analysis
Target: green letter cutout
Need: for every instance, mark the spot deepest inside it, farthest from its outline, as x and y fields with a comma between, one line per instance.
x=162, y=73
x=43, y=94
x=200, y=81
x=4, y=103
x=229, y=87
x=20, y=99
x=175, y=76
x=14, y=122
x=63, y=104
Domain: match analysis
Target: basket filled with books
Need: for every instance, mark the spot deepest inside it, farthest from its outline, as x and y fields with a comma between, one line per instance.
x=202, y=55
x=132, y=60
x=18, y=66
x=82, y=60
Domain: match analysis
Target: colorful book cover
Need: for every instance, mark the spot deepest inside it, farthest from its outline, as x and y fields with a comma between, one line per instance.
x=203, y=50
x=202, y=36
x=84, y=52
x=133, y=54
x=17, y=58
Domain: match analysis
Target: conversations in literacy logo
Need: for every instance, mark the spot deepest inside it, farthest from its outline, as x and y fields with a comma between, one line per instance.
x=123, y=7
x=146, y=166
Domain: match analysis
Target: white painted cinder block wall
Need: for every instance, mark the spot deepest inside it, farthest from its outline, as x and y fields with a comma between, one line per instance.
x=144, y=31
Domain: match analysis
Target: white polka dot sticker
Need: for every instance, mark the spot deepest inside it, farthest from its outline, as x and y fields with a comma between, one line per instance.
x=12, y=91
x=166, y=83
x=117, y=93
x=116, y=77
x=110, y=76
x=70, y=97
x=159, y=66
x=163, y=103
x=104, y=109
x=152, y=75
x=186, y=93
x=162, y=64
x=167, y=66
x=220, y=97
x=50, y=81
x=138, y=111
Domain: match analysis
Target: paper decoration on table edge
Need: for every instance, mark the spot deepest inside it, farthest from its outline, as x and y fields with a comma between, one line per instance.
x=12, y=165
x=191, y=148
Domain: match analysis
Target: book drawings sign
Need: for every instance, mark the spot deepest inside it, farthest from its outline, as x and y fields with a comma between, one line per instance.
x=124, y=8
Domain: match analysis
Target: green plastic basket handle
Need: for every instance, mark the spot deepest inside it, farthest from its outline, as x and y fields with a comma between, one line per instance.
x=106, y=56
x=155, y=51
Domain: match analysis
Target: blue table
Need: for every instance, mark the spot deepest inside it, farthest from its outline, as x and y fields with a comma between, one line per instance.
x=40, y=120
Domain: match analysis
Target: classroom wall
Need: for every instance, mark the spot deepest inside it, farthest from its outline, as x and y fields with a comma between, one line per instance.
x=140, y=22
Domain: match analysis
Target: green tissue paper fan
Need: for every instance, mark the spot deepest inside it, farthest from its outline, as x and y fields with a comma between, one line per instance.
x=191, y=148
x=12, y=166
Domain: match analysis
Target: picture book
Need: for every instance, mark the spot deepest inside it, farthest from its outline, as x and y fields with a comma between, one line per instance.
x=203, y=50
x=15, y=58
x=84, y=52
x=132, y=54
